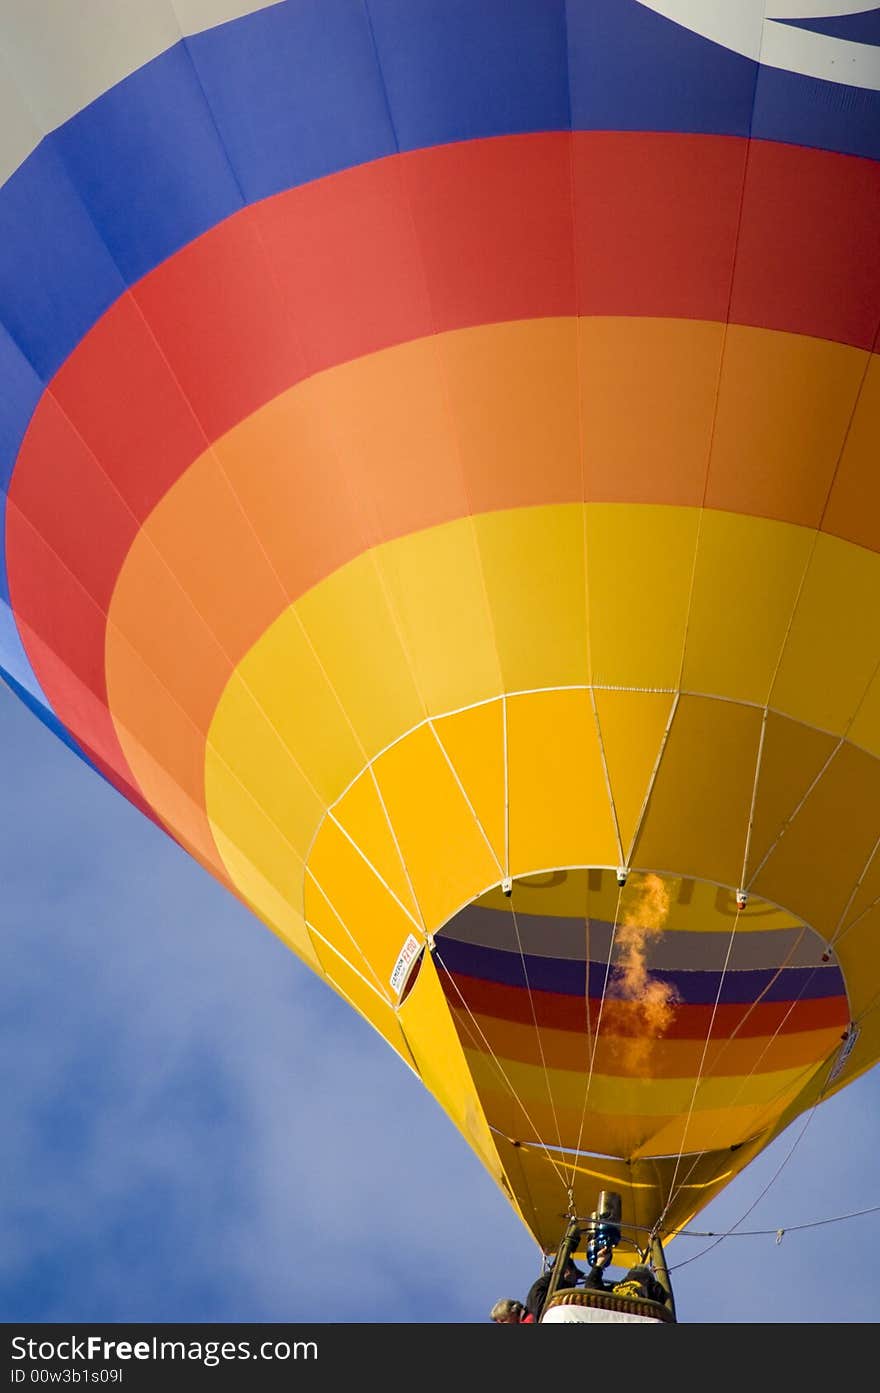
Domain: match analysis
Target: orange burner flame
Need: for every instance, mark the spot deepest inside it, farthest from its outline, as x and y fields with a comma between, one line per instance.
x=654, y=1001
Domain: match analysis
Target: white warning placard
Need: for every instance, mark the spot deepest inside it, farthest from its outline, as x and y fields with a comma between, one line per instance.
x=407, y=956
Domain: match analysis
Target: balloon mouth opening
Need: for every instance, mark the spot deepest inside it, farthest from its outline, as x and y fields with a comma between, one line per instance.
x=571, y=967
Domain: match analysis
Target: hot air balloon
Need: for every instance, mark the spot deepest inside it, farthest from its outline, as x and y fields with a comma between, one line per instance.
x=438, y=442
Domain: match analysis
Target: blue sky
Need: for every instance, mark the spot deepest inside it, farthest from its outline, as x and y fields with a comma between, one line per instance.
x=196, y=1129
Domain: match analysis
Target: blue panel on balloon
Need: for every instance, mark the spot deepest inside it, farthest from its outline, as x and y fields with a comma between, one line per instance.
x=456, y=70
x=56, y=275
x=633, y=70
x=149, y=164
x=279, y=132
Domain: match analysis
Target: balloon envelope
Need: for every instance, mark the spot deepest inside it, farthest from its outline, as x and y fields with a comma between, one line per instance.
x=438, y=445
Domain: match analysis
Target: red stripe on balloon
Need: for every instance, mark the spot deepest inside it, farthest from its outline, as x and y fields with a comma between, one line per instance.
x=558, y=1011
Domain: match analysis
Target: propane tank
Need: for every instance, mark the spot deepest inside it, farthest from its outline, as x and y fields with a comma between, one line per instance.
x=604, y=1227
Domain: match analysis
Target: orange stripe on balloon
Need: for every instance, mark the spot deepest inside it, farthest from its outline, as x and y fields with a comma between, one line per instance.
x=397, y=442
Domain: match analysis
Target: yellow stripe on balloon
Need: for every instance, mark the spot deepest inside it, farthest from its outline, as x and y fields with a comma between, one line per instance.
x=612, y=1095
x=272, y=769
x=625, y=1134
x=559, y=809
